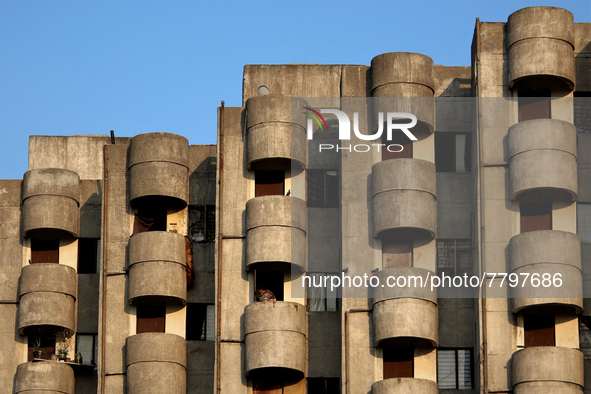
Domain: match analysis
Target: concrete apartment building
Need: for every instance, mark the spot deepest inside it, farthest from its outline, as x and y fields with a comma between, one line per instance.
x=177, y=268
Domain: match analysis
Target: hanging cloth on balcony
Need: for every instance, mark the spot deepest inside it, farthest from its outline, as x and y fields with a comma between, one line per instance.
x=189, y=266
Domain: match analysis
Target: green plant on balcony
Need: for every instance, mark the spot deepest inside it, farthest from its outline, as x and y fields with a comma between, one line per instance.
x=63, y=341
x=36, y=348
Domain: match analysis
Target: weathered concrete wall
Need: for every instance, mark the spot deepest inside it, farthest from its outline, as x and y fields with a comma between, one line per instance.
x=113, y=299
x=296, y=80
x=234, y=279
x=82, y=154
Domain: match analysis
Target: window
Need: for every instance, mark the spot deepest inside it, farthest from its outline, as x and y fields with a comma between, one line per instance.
x=535, y=216
x=202, y=219
x=396, y=253
x=87, y=345
x=320, y=297
x=150, y=218
x=200, y=322
x=268, y=285
x=582, y=111
x=45, y=250
x=323, y=386
x=151, y=318
x=585, y=336
x=88, y=255
x=454, y=369
x=322, y=187
x=47, y=342
x=398, y=362
x=454, y=257
x=533, y=104
x=398, y=138
x=269, y=183
x=453, y=152
x=538, y=330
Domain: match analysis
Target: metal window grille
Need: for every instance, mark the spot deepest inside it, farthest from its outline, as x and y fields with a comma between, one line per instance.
x=454, y=257
x=454, y=369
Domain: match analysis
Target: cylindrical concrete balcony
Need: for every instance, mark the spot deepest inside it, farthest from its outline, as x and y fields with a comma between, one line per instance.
x=404, y=199
x=275, y=339
x=276, y=132
x=51, y=203
x=157, y=268
x=159, y=168
x=156, y=363
x=556, y=254
x=540, y=44
x=404, y=385
x=543, y=160
x=548, y=369
x=44, y=377
x=406, y=78
x=407, y=311
x=276, y=228
x=47, y=298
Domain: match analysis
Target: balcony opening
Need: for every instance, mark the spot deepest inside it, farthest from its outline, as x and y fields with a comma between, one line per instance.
x=266, y=387
x=269, y=183
x=322, y=188
x=200, y=323
x=88, y=255
x=396, y=253
x=151, y=318
x=395, y=151
x=533, y=104
x=398, y=362
x=45, y=250
x=150, y=217
x=268, y=285
x=324, y=386
x=453, y=152
x=535, y=216
x=539, y=330
x=454, y=369
x=45, y=342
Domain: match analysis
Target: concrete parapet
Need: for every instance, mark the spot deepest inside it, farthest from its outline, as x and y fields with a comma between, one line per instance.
x=156, y=363
x=159, y=166
x=548, y=366
x=407, y=75
x=273, y=325
x=276, y=132
x=47, y=377
x=276, y=228
x=157, y=267
x=47, y=297
x=404, y=199
x=540, y=43
x=549, y=252
x=51, y=202
x=543, y=160
x=404, y=385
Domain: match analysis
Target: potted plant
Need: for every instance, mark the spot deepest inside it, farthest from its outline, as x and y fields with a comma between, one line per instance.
x=64, y=339
x=78, y=358
x=37, y=348
x=62, y=354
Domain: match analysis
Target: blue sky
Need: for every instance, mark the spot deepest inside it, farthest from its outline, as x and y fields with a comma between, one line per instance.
x=87, y=67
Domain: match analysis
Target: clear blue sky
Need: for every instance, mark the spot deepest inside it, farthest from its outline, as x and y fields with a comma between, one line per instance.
x=87, y=67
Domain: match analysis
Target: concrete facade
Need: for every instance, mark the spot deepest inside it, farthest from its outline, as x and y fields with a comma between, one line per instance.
x=156, y=255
